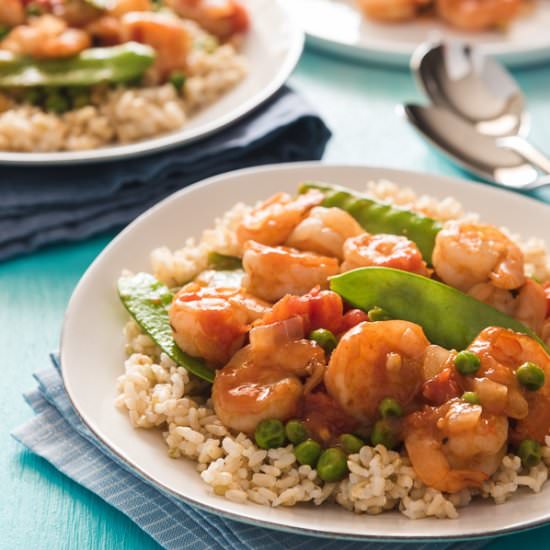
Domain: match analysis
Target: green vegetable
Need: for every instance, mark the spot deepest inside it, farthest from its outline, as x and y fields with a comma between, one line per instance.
x=100, y=4
x=471, y=397
x=4, y=31
x=33, y=9
x=530, y=376
x=332, y=465
x=378, y=314
x=449, y=317
x=177, y=79
x=33, y=96
x=56, y=102
x=296, y=432
x=146, y=299
x=92, y=66
x=80, y=97
x=223, y=262
x=324, y=338
x=383, y=433
x=379, y=217
x=467, y=362
x=351, y=443
x=270, y=434
x=529, y=452
x=390, y=407
x=308, y=452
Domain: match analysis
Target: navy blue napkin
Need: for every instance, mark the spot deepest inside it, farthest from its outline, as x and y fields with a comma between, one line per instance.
x=43, y=205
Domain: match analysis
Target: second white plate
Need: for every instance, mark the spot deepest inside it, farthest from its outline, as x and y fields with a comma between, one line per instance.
x=339, y=27
x=92, y=350
x=272, y=48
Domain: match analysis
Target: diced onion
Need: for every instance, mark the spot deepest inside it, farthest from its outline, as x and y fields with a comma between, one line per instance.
x=275, y=335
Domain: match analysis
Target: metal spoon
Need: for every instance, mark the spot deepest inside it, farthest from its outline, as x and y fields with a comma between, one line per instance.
x=477, y=88
x=474, y=151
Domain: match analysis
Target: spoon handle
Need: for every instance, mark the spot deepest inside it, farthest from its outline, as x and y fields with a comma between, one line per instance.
x=529, y=152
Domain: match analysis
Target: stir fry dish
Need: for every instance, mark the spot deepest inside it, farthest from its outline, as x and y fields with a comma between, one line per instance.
x=77, y=74
x=333, y=346
x=468, y=15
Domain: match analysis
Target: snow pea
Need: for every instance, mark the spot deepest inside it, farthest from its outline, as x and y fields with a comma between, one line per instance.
x=449, y=317
x=380, y=217
x=147, y=301
x=115, y=64
x=223, y=262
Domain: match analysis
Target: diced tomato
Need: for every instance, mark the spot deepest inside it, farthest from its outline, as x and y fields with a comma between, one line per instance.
x=352, y=318
x=546, y=287
x=442, y=387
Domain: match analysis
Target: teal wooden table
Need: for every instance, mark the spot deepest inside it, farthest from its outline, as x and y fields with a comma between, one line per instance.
x=40, y=508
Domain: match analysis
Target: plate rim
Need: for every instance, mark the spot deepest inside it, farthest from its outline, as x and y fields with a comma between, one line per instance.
x=398, y=55
x=240, y=517
x=164, y=142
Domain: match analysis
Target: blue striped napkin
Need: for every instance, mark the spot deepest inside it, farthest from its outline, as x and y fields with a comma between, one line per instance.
x=57, y=434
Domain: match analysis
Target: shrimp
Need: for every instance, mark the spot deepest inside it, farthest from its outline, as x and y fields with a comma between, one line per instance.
x=324, y=231
x=456, y=445
x=501, y=352
x=273, y=220
x=383, y=251
x=478, y=15
x=12, y=12
x=466, y=254
x=528, y=305
x=120, y=7
x=223, y=18
x=212, y=323
x=373, y=361
x=272, y=272
x=392, y=10
x=167, y=35
x=46, y=37
x=265, y=379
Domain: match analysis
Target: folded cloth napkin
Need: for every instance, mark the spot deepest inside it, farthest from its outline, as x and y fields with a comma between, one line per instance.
x=42, y=205
x=57, y=434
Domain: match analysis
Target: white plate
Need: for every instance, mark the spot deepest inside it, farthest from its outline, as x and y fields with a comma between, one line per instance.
x=92, y=350
x=339, y=27
x=272, y=48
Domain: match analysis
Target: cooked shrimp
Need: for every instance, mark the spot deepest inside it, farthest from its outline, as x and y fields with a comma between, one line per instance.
x=46, y=37
x=117, y=8
x=373, y=361
x=383, y=251
x=466, y=254
x=392, y=10
x=12, y=12
x=167, y=35
x=324, y=231
x=108, y=30
x=478, y=15
x=456, y=445
x=273, y=220
x=212, y=322
x=501, y=352
x=264, y=380
x=222, y=18
x=76, y=13
x=273, y=271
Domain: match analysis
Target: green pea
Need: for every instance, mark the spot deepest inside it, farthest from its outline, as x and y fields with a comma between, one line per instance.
x=390, y=407
x=80, y=97
x=296, y=432
x=4, y=31
x=270, y=434
x=529, y=452
x=467, y=362
x=378, y=314
x=56, y=103
x=332, y=465
x=177, y=79
x=33, y=9
x=325, y=338
x=351, y=443
x=530, y=376
x=33, y=96
x=308, y=452
x=384, y=434
x=471, y=397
